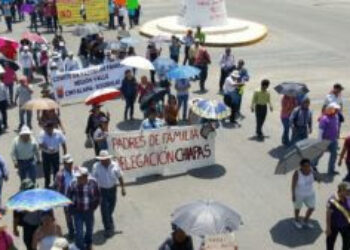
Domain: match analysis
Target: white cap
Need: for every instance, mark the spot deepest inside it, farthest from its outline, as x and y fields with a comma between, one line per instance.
x=80, y=171
x=67, y=158
x=235, y=74
x=25, y=130
x=104, y=155
x=333, y=105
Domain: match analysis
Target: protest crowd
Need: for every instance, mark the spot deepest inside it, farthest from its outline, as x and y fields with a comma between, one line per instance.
x=158, y=82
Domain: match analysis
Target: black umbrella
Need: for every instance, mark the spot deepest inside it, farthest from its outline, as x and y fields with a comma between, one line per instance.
x=11, y=63
x=308, y=148
x=291, y=88
x=156, y=95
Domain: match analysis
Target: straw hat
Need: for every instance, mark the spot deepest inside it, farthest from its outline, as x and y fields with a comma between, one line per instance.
x=67, y=158
x=104, y=155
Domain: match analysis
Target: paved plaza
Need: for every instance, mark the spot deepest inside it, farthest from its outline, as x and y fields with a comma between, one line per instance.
x=308, y=41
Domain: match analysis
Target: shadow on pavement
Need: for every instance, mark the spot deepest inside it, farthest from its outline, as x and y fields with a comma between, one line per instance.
x=286, y=234
x=278, y=152
x=129, y=125
x=98, y=238
x=209, y=172
x=153, y=178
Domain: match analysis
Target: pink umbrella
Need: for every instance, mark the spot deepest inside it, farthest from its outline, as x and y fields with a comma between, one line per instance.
x=33, y=37
x=4, y=41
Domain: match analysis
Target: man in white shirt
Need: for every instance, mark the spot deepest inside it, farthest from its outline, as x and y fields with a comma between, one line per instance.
x=25, y=154
x=231, y=95
x=71, y=63
x=50, y=141
x=24, y=94
x=227, y=64
x=108, y=174
x=27, y=63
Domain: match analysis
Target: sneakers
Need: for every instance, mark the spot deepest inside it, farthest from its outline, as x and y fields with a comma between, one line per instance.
x=298, y=224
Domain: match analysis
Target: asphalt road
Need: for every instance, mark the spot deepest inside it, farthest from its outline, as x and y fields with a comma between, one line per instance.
x=308, y=41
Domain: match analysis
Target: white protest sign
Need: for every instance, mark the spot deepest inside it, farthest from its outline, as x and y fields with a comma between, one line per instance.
x=77, y=85
x=166, y=151
x=205, y=13
x=220, y=242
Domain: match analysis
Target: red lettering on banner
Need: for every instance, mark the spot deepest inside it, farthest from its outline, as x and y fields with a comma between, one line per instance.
x=163, y=158
x=129, y=143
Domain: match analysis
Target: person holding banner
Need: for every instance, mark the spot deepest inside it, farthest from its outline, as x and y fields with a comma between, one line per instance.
x=108, y=175
x=129, y=91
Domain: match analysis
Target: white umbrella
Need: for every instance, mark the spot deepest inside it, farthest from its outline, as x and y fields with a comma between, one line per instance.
x=202, y=218
x=138, y=62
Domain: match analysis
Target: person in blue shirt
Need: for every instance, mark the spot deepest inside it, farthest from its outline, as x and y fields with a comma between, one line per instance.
x=152, y=122
x=174, y=49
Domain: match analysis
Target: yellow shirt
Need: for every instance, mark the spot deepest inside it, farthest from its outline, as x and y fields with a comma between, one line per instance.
x=261, y=98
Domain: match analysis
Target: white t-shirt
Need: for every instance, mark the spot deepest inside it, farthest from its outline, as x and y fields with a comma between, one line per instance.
x=332, y=98
x=52, y=142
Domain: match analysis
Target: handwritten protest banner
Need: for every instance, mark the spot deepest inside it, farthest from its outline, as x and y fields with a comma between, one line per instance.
x=77, y=85
x=166, y=151
x=219, y=242
x=208, y=12
x=70, y=11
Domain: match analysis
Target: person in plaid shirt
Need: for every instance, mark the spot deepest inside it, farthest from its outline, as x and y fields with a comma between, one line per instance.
x=62, y=182
x=85, y=195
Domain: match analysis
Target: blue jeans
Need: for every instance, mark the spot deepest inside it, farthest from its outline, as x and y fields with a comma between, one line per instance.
x=27, y=169
x=183, y=99
x=25, y=114
x=69, y=219
x=81, y=219
x=108, y=202
x=285, y=134
x=332, y=148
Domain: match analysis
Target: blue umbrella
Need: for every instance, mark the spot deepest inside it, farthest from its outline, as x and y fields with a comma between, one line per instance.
x=37, y=199
x=183, y=72
x=163, y=65
x=211, y=109
x=129, y=41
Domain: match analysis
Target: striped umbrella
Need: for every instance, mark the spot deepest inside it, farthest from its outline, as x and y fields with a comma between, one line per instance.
x=211, y=109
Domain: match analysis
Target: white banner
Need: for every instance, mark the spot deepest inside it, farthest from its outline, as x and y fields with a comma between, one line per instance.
x=207, y=13
x=166, y=151
x=76, y=85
